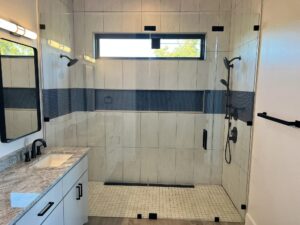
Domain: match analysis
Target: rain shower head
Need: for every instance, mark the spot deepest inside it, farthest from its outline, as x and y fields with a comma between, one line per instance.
x=71, y=61
x=228, y=63
x=224, y=82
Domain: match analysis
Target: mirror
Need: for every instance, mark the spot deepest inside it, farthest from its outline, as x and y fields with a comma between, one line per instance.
x=19, y=94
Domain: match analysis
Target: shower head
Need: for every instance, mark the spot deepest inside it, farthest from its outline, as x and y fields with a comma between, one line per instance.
x=228, y=63
x=71, y=61
x=224, y=82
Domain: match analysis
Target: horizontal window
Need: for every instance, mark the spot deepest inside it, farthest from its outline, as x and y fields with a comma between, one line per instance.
x=150, y=46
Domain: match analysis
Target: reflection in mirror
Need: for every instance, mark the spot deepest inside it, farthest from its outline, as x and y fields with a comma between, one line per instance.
x=19, y=90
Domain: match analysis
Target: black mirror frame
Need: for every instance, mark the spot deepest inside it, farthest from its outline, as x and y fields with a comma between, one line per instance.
x=37, y=90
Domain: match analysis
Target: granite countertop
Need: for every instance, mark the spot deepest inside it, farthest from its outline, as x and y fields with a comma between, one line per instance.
x=24, y=178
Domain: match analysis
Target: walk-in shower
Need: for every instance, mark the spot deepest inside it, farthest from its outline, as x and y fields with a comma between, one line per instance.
x=232, y=134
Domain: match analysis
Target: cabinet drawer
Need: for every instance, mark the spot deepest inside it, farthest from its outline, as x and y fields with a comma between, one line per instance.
x=43, y=208
x=74, y=174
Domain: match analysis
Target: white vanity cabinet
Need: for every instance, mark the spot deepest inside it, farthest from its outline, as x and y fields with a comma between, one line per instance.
x=75, y=203
x=66, y=203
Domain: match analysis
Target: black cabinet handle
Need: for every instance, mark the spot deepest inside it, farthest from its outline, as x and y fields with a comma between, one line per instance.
x=80, y=192
x=44, y=210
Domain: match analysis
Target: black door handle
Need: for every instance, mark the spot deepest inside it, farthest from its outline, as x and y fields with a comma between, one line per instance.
x=78, y=192
x=44, y=210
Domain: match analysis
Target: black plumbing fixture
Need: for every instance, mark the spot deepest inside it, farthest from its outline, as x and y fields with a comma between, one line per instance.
x=295, y=123
x=36, y=148
x=71, y=61
x=232, y=134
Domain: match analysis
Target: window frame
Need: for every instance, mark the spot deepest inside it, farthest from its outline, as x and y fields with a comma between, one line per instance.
x=200, y=36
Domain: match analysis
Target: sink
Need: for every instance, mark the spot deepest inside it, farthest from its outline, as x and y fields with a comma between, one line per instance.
x=52, y=161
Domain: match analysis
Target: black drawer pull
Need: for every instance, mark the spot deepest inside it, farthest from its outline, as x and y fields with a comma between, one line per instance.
x=80, y=192
x=44, y=210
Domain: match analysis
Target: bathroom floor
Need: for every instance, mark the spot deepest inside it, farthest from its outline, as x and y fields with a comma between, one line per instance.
x=204, y=202
x=127, y=221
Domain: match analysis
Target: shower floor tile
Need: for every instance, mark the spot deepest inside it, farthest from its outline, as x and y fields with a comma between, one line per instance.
x=204, y=202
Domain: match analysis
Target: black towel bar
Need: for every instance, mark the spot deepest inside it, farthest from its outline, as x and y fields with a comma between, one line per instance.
x=287, y=123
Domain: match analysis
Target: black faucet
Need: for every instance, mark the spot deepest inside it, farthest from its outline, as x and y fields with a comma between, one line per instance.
x=36, y=149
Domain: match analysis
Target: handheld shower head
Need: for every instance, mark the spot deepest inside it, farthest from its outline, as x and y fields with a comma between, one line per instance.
x=224, y=82
x=71, y=61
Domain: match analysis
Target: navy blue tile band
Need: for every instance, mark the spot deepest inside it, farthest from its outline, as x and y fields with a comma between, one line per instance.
x=58, y=102
x=20, y=98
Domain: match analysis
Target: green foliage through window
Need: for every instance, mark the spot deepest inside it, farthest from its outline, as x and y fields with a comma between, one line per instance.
x=14, y=49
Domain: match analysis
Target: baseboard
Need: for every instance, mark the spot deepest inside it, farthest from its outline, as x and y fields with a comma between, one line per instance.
x=249, y=220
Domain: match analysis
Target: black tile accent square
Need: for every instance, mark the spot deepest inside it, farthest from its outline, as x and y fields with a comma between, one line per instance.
x=46, y=119
x=152, y=216
x=149, y=28
x=155, y=43
x=243, y=207
x=217, y=28
x=43, y=26
x=139, y=216
x=217, y=219
x=249, y=123
x=256, y=27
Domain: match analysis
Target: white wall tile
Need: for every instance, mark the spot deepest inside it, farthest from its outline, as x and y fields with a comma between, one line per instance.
x=166, y=166
x=78, y=5
x=131, y=129
x=225, y=5
x=185, y=130
x=202, y=167
x=149, y=166
x=113, y=22
x=209, y=5
x=200, y=125
x=168, y=75
x=189, y=22
x=113, y=129
x=6, y=72
x=82, y=128
x=149, y=130
x=187, y=75
x=149, y=80
x=189, y=5
x=170, y=5
x=113, y=74
x=96, y=129
x=20, y=72
x=132, y=5
x=97, y=164
x=132, y=165
x=151, y=5
x=99, y=74
x=132, y=22
x=114, y=164
x=112, y=5
x=170, y=22
x=167, y=130
x=93, y=5
x=184, y=166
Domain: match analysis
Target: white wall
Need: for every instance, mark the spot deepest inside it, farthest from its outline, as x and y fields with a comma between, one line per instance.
x=274, y=197
x=25, y=14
